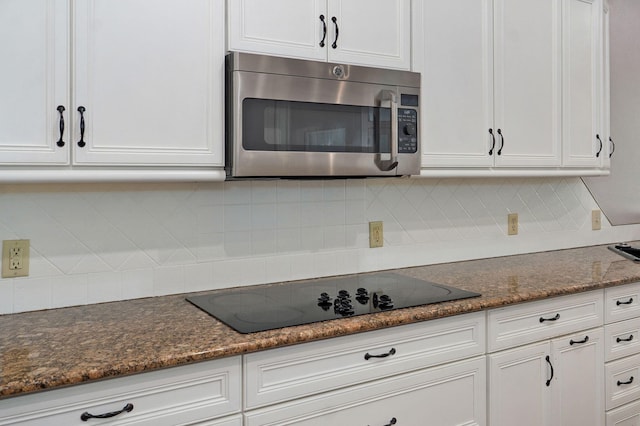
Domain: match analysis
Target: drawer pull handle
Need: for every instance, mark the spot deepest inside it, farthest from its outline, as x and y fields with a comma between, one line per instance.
x=493, y=141
x=324, y=30
x=574, y=342
x=335, y=24
x=628, y=382
x=557, y=317
x=60, y=142
x=368, y=356
x=501, y=142
x=551, y=366
x=86, y=415
x=81, y=142
x=628, y=302
x=393, y=421
x=628, y=339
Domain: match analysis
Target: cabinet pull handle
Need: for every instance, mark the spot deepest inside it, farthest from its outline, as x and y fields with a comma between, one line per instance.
x=628, y=382
x=501, y=142
x=81, y=142
x=628, y=339
x=557, y=317
x=86, y=415
x=393, y=421
x=628, y=302
x=493, y=141
x=335, y=23
x=600, y=149
x=613, y=146
x=575, y=342
x=60, y=109
x=551, y=366
x=368, y=356
x=324, y=30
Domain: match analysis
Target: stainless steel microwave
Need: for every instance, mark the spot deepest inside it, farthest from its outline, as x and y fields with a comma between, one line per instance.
x=294, y=118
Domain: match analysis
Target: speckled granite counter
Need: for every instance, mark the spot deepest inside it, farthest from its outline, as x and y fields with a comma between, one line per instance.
x=46, y=349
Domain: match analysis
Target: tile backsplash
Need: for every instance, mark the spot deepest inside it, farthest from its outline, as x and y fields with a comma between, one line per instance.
x=106, y=242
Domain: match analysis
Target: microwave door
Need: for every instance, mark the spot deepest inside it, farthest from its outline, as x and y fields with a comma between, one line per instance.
x=388, y=161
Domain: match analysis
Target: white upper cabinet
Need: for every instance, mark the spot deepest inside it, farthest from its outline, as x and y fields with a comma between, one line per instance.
x=494, y=76
x=584, y=141
x=133, y=83
x=34, y=81
x=362, y=32
x=491, y=83
x=149, y=76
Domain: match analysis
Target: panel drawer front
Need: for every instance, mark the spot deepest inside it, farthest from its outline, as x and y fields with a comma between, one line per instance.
x=292, y=372
x=171, y=396
x=622, y=303
x=622, y=339
x=451, y=394
x=628, y=415
x=622, y=381
x=529, y=322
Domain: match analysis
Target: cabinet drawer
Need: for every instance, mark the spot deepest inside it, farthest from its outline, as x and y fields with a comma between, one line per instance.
x=622, y=339
x=627, y=415
x=622, y=381
x=451, y=394
x=530, y=322
x=622, y=303
x=226, y=421
x=286, y=373
x=178, y=395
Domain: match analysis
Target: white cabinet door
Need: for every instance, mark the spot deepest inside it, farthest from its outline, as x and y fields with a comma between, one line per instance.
x=291, y=28
x=34, y=81
x=447, y=395
x=361, y=32
x=519, y=394
x=584, y=142
x=454, y=53
x=578, y=384
x=149, y=76
x=370, y=32
x=527, y=82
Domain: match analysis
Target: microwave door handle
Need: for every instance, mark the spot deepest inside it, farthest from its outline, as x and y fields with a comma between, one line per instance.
x=388, y=100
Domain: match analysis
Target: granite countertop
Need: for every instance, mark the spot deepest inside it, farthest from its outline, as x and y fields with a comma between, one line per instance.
x=46, y=349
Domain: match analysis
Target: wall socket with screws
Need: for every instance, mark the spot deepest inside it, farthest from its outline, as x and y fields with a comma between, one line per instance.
x=15, y=258
x=376, y=237
x=512, y=224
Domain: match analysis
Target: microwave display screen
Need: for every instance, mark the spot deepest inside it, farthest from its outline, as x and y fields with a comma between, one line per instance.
x=276, y=125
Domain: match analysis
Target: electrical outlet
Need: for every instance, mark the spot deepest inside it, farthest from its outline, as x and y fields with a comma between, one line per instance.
x=15, y=258
x=512, y=224
x=376, y=237
x=596, y=220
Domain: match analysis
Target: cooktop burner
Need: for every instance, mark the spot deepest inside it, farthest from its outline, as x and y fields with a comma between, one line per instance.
x=249, y=310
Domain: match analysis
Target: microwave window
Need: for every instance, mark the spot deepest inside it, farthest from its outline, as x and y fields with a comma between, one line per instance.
x=274, y=125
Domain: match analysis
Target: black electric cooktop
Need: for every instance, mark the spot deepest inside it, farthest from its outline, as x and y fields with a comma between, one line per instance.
x=253, y=309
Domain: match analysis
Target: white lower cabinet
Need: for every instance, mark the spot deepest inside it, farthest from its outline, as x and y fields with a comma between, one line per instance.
x=425, y=373
x=555, y=379
x=452, y=394
x=622, y=370
x=206, y=393
x=549, y=383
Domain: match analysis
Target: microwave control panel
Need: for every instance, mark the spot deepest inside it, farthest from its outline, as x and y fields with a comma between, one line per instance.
x=407, y=131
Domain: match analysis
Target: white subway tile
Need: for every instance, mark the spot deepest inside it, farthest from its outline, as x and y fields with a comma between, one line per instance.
x=104, y=287
x=31, y=294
